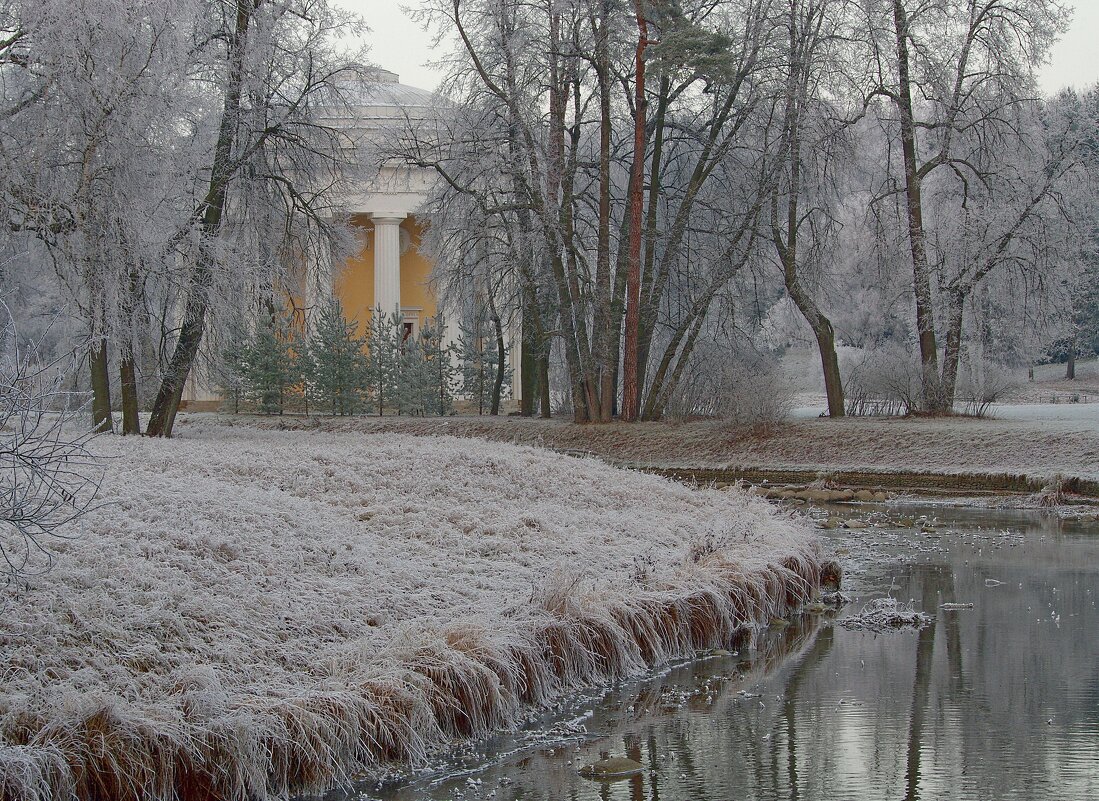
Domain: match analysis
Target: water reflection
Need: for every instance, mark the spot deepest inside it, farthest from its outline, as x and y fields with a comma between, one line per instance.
x=1000, y=701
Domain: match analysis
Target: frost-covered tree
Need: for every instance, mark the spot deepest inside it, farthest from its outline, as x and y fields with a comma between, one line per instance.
x=1012, y=220
x=48, y=476
x=536, y=156
x=92, y=91
x=948, y=80
x=167, y=165
x=806, y=142
x=1081, y=337
x=270, y=173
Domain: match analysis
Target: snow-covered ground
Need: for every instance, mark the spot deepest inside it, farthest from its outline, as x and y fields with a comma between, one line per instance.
x=1082, y=413
x=260, y=611
x=1064, y=441
x=1046, y=387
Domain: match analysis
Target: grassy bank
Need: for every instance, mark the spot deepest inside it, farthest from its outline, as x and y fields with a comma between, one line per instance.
x=959, y=455
x=252, y=614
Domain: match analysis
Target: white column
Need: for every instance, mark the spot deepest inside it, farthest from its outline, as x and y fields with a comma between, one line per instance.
x=387, y=262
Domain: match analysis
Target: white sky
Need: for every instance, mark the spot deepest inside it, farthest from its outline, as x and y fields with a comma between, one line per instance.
x=398, y=44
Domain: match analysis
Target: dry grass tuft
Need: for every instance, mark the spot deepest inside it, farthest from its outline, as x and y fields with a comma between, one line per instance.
x=1054, y=493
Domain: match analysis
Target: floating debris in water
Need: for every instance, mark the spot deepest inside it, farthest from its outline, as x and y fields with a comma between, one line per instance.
x=610, y=768
x=882, y=614
x=949, y=607
x=836, y=598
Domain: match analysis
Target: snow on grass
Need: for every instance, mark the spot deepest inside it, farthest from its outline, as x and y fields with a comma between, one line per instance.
x=1037, y=448
x=253, y=613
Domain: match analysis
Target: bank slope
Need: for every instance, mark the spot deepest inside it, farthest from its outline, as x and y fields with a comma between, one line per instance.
x=257, y=613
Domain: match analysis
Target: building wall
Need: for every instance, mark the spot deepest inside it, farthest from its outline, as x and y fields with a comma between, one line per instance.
x=354, y=282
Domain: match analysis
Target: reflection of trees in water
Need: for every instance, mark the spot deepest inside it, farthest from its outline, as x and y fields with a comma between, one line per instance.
x=805, y=732
x=771, y=778
x=813, y=657
x=801, y=753
x=723, y=751
x=937, y=586
x=680, y=745
x=955, y=710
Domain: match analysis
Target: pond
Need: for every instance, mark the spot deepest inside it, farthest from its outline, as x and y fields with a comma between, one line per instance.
x=997, y=701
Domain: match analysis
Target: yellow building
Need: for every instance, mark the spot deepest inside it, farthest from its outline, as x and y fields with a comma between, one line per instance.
x=389, y=271
x=368, y=280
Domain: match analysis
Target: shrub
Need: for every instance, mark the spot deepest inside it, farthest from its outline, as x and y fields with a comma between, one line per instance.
x=48, y=477
x=982, y=383
x=884, y=380
x=742, y=387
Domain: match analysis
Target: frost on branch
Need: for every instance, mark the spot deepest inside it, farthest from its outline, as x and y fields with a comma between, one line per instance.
x=47, y=476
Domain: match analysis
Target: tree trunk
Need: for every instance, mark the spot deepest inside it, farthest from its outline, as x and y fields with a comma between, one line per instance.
x=555, y=205
x=102, y=421
x=166, y=405
x=618, y=304
x=655, y=280
x=830, y=364
x=825, y=336
x=544, y=383
x=952, y=351
x=131, y=422
x=1070, y=366
x=498, y=384
x=631, y=392
x=649, y=267
x=663, y=385
x=604, y=304
x=921, y=272
x=528, y=372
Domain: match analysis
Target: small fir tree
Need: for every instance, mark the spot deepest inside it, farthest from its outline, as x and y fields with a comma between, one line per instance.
x=383, y=359
x=230, y=369
x=477, y=346
x=269, y=364
x=411, y=381
x=439, y=368
x=337, y=367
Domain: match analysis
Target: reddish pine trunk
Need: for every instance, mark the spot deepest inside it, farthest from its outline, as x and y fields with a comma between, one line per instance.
x=631, y=392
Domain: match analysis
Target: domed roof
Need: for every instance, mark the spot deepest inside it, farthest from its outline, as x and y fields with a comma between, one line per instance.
x=380, y=88
x=373, y=101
